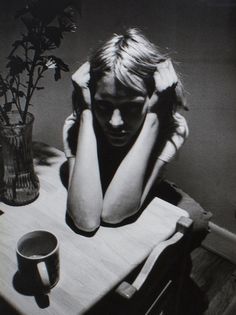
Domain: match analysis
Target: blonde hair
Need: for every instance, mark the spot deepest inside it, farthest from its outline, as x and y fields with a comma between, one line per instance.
x=132, y=60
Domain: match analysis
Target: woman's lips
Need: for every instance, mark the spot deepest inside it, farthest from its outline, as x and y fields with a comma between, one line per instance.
x=116, y=134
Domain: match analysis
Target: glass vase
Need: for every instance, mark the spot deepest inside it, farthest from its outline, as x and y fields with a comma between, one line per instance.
x=20, y=183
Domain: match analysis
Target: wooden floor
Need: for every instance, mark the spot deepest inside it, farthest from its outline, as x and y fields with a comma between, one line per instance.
x=216, y=279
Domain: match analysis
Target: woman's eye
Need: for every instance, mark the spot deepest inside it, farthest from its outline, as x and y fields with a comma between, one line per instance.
x=132, y=108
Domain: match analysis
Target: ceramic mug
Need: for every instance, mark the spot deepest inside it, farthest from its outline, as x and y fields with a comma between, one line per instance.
x=38, y=259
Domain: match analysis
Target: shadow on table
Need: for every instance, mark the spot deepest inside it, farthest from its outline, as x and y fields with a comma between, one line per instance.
x=64, y=174
x=6, y=309
x=43, y=153
x=41, y=298
x=73, y=227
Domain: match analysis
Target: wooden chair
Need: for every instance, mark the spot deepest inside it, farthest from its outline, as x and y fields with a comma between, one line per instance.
x=156, y=289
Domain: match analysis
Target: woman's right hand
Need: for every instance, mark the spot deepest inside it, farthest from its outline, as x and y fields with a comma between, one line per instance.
x=80, y=81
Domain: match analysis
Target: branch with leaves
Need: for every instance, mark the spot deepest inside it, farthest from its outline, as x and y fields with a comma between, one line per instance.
x=45, y=22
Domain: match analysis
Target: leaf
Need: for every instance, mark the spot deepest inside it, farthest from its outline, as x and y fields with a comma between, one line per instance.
x=21, y=12
x=46, y=44
x=8, y=106
x=66, y=24
x=39, y=88
x=3, y=86
x=18, y=43
x=47, y=10
x=57, y=74
x=17, y=92
x=13, y=89
x=40, y=63
x=22, y=84
x=20, y=93
x=61, y=64
x=53, y=33
x=34, y=39
x=16, y=65
x=11, y=81
x=30, y=23
x=2, y=92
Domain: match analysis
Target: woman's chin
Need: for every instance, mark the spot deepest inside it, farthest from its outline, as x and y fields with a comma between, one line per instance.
x=118, y=141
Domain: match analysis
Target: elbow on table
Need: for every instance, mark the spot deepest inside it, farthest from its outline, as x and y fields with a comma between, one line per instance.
x=118, y=217
x=86, y=225
x=85, y=220
x=109, y=219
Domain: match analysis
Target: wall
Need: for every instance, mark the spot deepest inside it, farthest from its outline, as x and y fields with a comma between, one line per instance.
x=200, y=36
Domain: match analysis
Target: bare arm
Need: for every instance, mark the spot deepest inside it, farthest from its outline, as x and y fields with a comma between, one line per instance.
x=123, y=196
x=84, y=203
x=169, y=151
x=129, y=186
x=164, y=78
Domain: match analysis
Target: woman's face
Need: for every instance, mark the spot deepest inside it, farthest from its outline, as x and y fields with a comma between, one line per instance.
x=120, y=111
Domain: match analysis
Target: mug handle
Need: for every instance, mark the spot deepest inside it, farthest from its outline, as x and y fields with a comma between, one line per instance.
x=43, y=274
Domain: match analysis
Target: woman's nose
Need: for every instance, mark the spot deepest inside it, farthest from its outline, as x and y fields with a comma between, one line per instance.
x=116, y=120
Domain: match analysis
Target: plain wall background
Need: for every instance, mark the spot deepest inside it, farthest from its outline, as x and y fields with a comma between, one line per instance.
x=201, y=37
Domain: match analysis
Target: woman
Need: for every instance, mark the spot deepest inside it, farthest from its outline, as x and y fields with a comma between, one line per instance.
x=124, y=129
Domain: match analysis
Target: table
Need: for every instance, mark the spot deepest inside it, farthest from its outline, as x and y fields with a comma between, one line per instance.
x=90, y=266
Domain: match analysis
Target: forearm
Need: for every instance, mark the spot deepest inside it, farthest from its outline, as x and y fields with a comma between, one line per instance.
x=71, y=164
x=168, y=152
x=85, y=194
x=156, y=172
x=124, y=194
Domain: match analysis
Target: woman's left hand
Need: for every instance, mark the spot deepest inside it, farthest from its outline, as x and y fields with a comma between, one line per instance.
x=165, y=77
x=177, y=140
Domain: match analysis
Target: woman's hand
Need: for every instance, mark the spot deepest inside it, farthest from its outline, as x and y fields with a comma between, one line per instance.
x=177, y=140
x=165, y=77
x=80, y=81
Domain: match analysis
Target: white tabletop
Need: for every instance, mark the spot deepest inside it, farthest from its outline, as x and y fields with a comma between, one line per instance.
x=90, y=266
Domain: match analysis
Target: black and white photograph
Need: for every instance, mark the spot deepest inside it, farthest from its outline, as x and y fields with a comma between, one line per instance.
x=117, y=157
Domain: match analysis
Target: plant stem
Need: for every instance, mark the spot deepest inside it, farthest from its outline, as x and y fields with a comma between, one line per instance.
x=14, y=97
x=27, y=59
x=17, y=91
x=4, y=115
x=36, y=82
x=30, y=84
x=31, y=78
x=5, y=97
x=17, y=97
